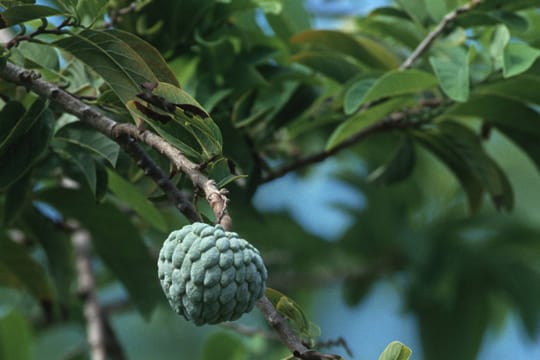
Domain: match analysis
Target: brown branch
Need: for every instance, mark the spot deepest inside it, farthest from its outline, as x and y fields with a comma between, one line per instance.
x=392, y=122
x=121, y=133
x=70, y=104
x=39, y=31
x=95, y=324
x=428, y=40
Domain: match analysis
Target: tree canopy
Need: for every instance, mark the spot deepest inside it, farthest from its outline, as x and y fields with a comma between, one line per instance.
x=123, y=121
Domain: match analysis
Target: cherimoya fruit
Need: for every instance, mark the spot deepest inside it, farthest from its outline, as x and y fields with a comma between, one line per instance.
x=210, y=275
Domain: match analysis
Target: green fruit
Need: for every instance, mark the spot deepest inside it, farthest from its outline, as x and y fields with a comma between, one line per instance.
x=210, y=275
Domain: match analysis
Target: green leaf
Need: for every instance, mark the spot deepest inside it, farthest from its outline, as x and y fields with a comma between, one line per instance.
x=396, y=351
x=15, y=336
x=355, y=288
x=15, y=200
x=40, y=54
x=133, y=197
x=460, y=149
x=10, y=114
x=453, y=75
x=362, y=48
x=26, y=272
x=89, y=139
x=21, y=155
x=330, y=64
x=516, y=88
x=151, y=56
x=292, y=19
x=514, y=119
x=57, y=247
x=501, y=37
x=399, y=167
x=15, y=126
x=116, y=240
x=518, y=58
x=226, y=345
x=364, y=119
x=400, y=82
x=115, y=61
x=23, y=13
x=355, y=94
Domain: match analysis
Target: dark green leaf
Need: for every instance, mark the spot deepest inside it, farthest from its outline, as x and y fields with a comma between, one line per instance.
x=22, y=13
x=517, y=88
x=57, y=247
x=151, y=56
x=396, y=351
x=364, y=119
x=137, y=201
x=15, y=336
x=89, y=139
x=226, y=345
x=399, y=167
x=460, y=149
x=514, y=119
x=16, y=196
x=362, y=48
x=328, y=63
x=116, y=240
x=399, y=82
x=355, y=289
x=292, y=19
x=15, y=126
x=453, y=75
x=28, y=274
x=114, y=60
x=20, y=156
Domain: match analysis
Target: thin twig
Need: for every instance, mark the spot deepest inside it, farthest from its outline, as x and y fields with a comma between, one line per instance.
x=392, y=122
x=428, y=40
x=39, y=31
x=95, y=325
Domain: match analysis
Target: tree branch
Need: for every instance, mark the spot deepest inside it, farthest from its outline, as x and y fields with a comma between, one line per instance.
x=383, y=125
x=391, y=122
x=95, y=325
x=70, y=104
x=428, y=40
x=124, y=134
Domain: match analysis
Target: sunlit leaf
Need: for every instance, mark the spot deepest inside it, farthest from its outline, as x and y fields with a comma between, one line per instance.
x=453, y=75
x=355, y=95
x=15, y=336
x=518, y=58
x=396, y=351
x=23, y=13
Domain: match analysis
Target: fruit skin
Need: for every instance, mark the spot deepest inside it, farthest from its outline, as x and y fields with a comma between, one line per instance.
x=210, y=275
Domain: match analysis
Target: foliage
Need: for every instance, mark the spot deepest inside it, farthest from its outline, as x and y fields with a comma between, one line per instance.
x=260, y=91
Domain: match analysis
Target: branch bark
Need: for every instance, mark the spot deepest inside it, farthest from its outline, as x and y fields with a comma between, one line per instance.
x=125, y=134
x=95, y=324
x=118, y=132
x=428, y=40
